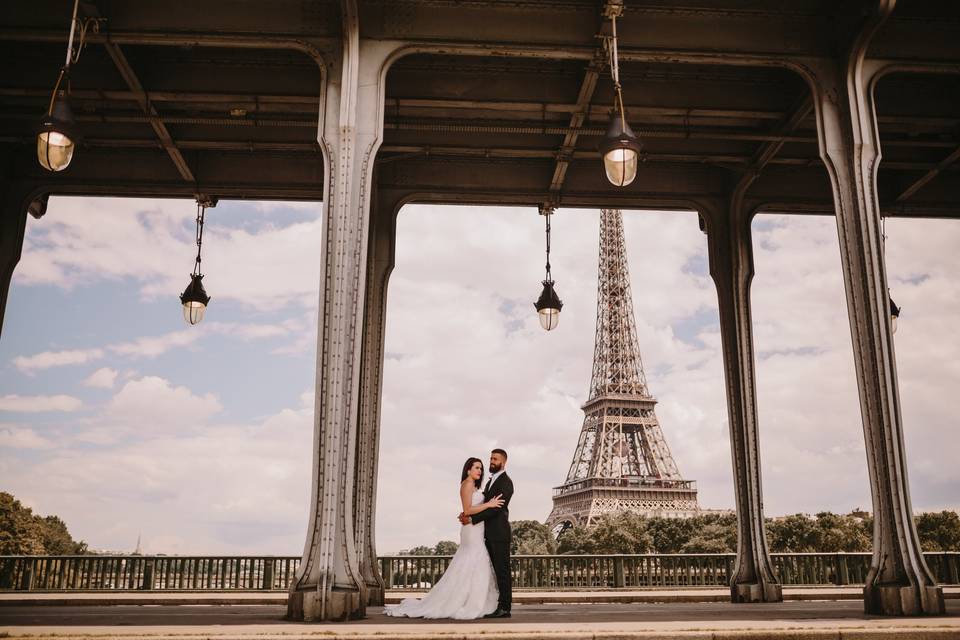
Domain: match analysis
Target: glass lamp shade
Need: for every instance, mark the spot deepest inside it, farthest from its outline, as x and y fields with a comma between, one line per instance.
x=57, y=137
x=548, y=307
x=894, y=314
x=194, y=300
x=549, y=318
x=621, y=152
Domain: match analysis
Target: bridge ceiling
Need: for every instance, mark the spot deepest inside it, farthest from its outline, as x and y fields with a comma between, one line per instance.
x=505, y=102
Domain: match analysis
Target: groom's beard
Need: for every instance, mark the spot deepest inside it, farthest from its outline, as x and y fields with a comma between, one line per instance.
x=494, y=468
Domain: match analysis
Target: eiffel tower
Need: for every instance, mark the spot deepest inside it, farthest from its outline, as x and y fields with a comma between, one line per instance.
x=622, y=461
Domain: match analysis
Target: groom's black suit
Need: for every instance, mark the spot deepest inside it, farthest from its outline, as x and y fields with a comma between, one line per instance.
x=497, y=535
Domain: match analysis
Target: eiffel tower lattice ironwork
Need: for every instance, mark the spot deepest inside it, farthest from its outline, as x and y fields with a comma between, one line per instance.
x=622, y=461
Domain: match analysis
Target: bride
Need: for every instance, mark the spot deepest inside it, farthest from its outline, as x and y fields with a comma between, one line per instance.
x=468, y=588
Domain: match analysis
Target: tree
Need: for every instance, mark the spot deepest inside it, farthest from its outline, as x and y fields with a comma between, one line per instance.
x=24, y=533
x=795, y=533
x=712, y=533
x=711, y=538
x=840, y=533
x=418, y=551
x=531, y=538
x=669, y=535
x=445, y=548
x=577, y=541
x=939, y=531
x=622, y=532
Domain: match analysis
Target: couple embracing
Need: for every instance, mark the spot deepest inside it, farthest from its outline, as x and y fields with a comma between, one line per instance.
x=477, y=582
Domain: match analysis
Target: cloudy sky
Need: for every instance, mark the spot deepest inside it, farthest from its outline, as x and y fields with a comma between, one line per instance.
x=117, y=416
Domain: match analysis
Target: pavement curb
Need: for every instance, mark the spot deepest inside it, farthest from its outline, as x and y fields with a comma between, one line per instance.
x=835, y=633
x=12, y=599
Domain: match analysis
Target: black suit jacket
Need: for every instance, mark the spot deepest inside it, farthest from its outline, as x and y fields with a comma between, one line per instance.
x=497, y=519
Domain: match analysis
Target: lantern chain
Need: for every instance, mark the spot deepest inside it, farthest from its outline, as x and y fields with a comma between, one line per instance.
x=201, y=211
x=547, y=212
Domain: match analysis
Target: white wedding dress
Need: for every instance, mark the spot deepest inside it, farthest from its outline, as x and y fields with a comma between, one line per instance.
x=467, y=589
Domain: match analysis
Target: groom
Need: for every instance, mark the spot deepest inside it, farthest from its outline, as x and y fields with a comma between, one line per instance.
x=497, y=531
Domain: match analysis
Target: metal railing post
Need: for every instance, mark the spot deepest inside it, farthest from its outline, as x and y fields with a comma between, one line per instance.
x=619, y=581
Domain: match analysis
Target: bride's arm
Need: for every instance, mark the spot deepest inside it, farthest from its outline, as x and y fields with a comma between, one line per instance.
x=466, y=497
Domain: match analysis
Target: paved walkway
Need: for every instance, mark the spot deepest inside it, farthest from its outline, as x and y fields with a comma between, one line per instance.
x=667, y=621
x=693, y=594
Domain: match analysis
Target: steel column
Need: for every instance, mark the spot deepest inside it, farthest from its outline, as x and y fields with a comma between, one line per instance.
x=15, y=201
x=899, y=581
x=731, y=266
x=380, y=260
x=329, y=584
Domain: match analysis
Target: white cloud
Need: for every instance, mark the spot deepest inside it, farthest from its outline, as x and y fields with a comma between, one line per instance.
x=48, y=359
x=37, y=404
x=247, y=331
x=227, y=489
x=14, y=437
x=152, y=405
x=153, y=346
x=103, y=378
x=86, y=240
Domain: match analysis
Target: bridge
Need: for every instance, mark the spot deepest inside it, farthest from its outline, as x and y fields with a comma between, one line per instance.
x=368, y=105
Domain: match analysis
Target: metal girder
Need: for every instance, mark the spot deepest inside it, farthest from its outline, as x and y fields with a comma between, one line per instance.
x=569, y=144
x=768, y=151
x=169, y=96
x=929, y=175
x=166, y=141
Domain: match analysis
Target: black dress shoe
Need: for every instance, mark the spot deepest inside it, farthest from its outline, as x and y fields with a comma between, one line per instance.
x=499, y=613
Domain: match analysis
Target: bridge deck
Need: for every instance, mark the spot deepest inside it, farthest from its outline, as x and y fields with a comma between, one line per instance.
x=820, y=619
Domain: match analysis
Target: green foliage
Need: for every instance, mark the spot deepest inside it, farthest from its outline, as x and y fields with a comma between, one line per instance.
x=531, y=538
x=826, y=532
x=418, y=551
x=939, y=531
x=712, y=533
x=445, y=548
x=24, y=533
x=578, y=540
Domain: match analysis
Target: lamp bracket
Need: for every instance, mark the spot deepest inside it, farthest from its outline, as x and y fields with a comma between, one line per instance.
x=205, y=200
x=613, y=8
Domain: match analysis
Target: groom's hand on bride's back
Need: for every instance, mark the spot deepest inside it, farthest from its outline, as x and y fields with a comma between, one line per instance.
x=464, y=519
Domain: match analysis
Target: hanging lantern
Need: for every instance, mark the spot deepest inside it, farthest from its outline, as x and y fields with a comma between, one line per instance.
x=194, y=298
x=621, y=152
x=620, y=148
x=548, y=305
x=57, y=136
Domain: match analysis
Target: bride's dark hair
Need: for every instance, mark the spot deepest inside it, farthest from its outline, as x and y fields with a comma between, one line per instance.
x=466, y=469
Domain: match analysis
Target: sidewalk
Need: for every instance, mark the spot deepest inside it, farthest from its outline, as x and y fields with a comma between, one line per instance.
x=790, y=594
x=825, y=620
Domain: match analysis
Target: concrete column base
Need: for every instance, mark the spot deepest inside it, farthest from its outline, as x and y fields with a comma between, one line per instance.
x=903, y=600
x=375, y=596
x=756, y=592
x=308, y=606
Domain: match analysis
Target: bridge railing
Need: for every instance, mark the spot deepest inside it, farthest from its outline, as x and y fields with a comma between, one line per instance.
x=557, y=572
